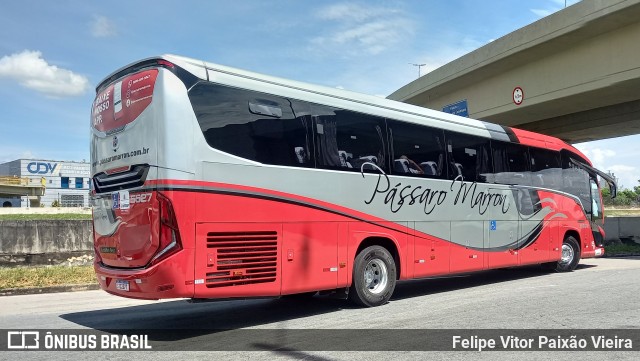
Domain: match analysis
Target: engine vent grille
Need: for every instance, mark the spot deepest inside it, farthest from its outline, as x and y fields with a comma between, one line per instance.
x=134, y=177
x=243, y=258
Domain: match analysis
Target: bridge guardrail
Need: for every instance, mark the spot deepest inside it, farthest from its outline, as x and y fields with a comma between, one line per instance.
x=14, y=181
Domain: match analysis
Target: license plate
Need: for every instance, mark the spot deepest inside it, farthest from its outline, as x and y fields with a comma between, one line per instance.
x=122, y=285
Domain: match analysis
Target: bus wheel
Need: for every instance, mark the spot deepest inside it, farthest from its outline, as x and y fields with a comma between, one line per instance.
x=374, y=277
x=570, y=255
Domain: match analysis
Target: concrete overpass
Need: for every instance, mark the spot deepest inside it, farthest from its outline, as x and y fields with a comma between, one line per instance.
x=578, y=71
x=15, y=186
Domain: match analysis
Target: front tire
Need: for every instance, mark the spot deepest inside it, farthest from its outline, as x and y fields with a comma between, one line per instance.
x=374, y=277
x=570, y=255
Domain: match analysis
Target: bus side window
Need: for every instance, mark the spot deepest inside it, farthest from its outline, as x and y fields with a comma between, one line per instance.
x=575, y=180
x=545, y=168
x=349, y=141
x=510, y=163
x=469, y=157
x=252, y=125
x=416, y=150
x=301, y=134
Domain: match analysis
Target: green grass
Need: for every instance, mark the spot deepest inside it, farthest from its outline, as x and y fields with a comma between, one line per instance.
x=44, y=217
x=622, y=212
x=622, y=249
x=23, y=277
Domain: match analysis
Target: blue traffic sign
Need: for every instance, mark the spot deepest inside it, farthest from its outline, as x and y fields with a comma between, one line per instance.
x=458, y=108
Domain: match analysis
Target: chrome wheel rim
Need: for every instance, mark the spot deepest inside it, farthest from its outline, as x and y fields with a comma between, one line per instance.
x=567, y=254
x=375, y=276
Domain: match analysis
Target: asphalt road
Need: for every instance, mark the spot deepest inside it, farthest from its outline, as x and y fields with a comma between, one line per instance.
x=601, y=293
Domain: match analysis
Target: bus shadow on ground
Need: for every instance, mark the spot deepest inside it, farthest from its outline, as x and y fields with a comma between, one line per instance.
x=429, y=286
x=178, y=323
x=217, y=315
x=211, y=326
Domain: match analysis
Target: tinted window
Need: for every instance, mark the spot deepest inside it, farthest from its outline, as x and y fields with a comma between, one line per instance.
x=347, y=140
x=252, y=125
x=417, y=150
x=596, y=205
x=545, y=168
x=510, y=163
x=468, y=156
x=575, y=180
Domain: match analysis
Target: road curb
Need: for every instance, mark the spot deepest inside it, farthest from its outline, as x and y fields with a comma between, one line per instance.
x=621, y=255
x=52, y=289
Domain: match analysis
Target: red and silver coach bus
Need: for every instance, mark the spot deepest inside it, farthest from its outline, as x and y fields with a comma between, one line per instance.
x=212, y=182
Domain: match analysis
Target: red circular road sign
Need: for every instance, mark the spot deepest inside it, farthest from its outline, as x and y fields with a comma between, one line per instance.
x=518, y=95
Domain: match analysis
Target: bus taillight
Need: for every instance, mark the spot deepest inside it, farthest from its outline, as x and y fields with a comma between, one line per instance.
x=98, y=258
x=166, y=64
x=169, y=235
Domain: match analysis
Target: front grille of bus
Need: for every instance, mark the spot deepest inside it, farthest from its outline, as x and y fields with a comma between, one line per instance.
x=243, y=258
x=134, y=177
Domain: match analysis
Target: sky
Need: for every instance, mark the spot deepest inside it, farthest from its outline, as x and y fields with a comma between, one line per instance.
x=54, y=53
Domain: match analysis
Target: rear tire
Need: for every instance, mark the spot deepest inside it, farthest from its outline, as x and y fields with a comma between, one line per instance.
x=374, y=277
x=570, y=255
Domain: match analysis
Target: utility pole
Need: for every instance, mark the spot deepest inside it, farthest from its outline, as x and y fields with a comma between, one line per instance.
x=419, y=66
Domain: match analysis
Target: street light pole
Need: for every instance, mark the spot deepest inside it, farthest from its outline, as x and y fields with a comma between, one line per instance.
x=419, y=66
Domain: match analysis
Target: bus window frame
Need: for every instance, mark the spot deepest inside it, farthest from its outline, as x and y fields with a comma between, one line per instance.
x=596, y=200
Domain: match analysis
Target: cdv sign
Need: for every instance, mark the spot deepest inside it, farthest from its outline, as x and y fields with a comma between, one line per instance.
x=41, y=167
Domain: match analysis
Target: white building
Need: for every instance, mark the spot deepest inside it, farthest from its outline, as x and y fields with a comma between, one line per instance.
x=65, y=182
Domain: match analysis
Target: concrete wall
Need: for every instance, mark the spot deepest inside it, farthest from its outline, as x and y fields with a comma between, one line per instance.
x=617, y=228
x=33, y=237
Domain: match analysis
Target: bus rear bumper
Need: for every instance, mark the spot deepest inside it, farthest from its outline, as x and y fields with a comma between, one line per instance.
x=596, y=252
x=599, y=252
x=166, y=279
